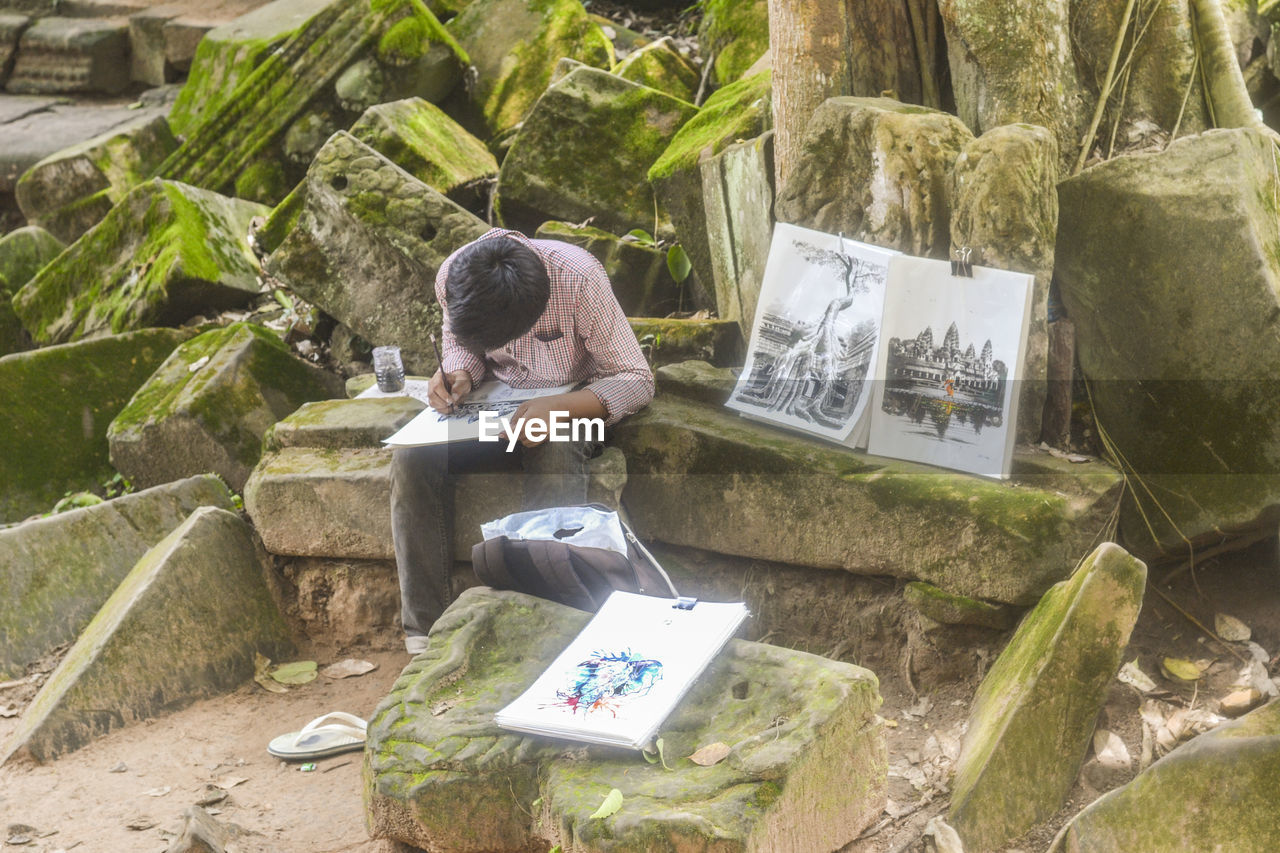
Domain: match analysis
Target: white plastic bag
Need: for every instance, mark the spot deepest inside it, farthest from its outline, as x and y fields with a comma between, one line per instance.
x=584, y=526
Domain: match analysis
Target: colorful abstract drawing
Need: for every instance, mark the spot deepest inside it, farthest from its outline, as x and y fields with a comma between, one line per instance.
x=604, y=680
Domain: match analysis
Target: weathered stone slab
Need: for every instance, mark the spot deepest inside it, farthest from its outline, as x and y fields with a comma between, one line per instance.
x=737, y=195
x=1216, y=792
x=164, y=39
x=1169, y=266
x=589, y=116
x=58, y=55
x=32, y=128
x=641, y=280
x=696, y=380
x=323, y=489
x=514, y=46
x=364, y=244
x=401, y=48
x=1005, y=206
x=420, y=138
x=345, y=603
x=1034, y=713
x=660, y=66
x=1010, y=67
x=57, y=571
x=453, y=781
x=667, y=341
x=229, y=53
x=738, y=111
x=733, y=34
x=876, y=170
x=165, y=252
x=184, y=624
x=948, y=609
x=71, y=191
x=23, y=253
x=60, y=445
x=754, y=491
x=11, y=26
x=209, y=405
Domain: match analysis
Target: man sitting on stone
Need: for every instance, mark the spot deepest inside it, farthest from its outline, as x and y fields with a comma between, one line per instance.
x=535, y=314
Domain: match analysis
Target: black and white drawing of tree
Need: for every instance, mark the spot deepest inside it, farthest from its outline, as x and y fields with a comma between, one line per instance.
x=855, y=272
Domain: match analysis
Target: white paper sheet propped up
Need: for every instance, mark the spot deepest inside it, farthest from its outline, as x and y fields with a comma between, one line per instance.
x=951, y=354
x=625, y=672
x=463, y=424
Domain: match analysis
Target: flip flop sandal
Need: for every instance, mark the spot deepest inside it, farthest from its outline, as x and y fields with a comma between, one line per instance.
x=320, y=738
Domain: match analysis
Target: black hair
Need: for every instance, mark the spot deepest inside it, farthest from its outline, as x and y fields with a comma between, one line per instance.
x=496, y=290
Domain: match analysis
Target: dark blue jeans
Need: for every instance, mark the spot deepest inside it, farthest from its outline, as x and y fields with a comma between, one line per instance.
x=422, y=508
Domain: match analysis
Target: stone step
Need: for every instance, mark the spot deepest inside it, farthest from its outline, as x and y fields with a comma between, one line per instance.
x=756, y=491
x=67, y=55
x=805, y=770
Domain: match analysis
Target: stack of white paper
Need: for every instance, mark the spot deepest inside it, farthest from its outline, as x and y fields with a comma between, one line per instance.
x=463, y=423
x=624, y=673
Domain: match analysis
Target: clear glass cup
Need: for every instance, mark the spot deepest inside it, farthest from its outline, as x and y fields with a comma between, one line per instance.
x=389, y=369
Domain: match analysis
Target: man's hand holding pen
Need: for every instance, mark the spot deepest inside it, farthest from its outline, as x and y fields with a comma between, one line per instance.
x=446, y=390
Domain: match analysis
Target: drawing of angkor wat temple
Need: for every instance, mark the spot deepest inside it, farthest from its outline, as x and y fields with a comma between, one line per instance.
x=944, y=381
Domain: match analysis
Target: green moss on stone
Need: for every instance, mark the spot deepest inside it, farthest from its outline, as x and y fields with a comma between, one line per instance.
x=264, y=182
x=736, y=112
x=660, y=66
x=735, y=33
x=423, y=140
x=23, y=253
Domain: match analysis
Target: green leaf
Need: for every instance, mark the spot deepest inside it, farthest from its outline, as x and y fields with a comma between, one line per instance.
x=661, y=756
x=283, y=298
x=611, y=804
x=651, y=757
x=261, y=664
x=298, y=672
x=678, y=263
x=642, y=237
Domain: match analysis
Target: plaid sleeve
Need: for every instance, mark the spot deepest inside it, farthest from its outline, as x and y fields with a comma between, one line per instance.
x=622, y=380
x=455, y=356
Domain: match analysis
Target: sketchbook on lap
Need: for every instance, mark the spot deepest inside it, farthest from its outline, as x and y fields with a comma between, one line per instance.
x=626, y=671
x=463, y=423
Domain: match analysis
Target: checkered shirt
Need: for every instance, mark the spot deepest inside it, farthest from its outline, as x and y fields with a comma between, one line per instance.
x=581, y=336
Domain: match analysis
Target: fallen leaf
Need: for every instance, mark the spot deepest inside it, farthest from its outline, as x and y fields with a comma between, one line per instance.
x=197, y=364
x=140, y=823
x=211, y=796
x=1231, y=629
x=1110, y=750
x=297, y=672
x=612, y=802
x=158, y=792
x=119, y=768
x=1133, y=675
x=261, y=670
x=440, y=707
x=712, y=753
x=10, y=711
x=348, y=668
x=226, y=783
x=1180, y=669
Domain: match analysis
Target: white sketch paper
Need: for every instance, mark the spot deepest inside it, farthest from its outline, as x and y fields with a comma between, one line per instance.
x=951, y=355
x=463, y=423
x=814, y=340
x=625, y=671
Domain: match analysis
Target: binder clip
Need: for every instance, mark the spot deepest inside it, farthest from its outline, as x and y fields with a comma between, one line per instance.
x=684, y=602
x=961, y=265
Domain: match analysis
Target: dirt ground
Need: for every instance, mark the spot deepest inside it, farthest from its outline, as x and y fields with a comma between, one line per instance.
x=79, y=803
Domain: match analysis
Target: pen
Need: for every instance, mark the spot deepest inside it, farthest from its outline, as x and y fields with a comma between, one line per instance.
x=444, y=376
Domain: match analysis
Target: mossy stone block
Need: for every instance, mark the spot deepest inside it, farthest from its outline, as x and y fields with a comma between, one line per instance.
x=736, y=112
x=58, y=570
x=755, y=491
x=209, y=405
x=343, y=423
x=1169, y=267
x=514, y=46
x=876, y=170
x=639, y=275
x=670, y=340
x=1216, y=792
x=365, y=243
x=660, y=66
x=23, y=253
x=184, y=624
x=420, y=138
x=55, y=433
x=1033, y=716
x=167, y=251
x=734, y=34
x=696, y=380
x=229, y=53
x=737, y=197
x=69, y=192
x=589, y=117
x=805, y=771
x=950, y=609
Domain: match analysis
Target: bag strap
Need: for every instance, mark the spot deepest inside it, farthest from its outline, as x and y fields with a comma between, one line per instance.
x=551, y=559
x=490, y=563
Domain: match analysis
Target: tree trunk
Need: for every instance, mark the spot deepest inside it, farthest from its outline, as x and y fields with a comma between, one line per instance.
x=825, y=48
